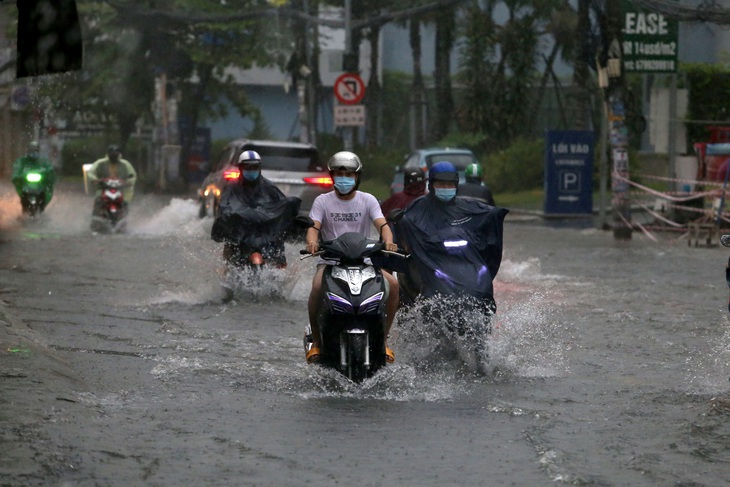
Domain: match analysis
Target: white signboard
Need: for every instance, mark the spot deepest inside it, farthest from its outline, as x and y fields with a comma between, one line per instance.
x=350, y=115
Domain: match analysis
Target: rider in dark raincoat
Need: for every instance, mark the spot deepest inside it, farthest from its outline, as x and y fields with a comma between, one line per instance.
x=455, y=243
x=254, y=215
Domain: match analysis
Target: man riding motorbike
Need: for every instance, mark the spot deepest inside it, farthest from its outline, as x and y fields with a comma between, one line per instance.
x=473, y=186
x=414, y=186
x=32, y=162
x=346, y=210
x=254, y=216
x=112, y=166
x=455, y=243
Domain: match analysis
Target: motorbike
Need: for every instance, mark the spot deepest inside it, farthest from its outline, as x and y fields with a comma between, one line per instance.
x=448, y=281
x=110, y=212
x=254, y=236
x=352, y=316
x=33, y=193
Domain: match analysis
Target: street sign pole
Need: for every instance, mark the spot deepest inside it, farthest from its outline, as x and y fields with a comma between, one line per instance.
x=348, y=131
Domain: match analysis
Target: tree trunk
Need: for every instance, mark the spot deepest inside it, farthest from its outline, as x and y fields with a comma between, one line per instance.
x=372, y=100
x=442, y=74
x=418, y=98
x=581, y=75
x=188, y=135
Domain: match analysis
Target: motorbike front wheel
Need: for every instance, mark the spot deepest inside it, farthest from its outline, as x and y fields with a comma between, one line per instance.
x=357, y=356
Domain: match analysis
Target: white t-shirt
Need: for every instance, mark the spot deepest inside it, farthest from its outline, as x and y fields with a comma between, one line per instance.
x=341, y=216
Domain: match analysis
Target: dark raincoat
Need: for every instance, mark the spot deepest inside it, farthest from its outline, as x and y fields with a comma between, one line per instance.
x=403, y=199
x=455, y=247
x=254, y=214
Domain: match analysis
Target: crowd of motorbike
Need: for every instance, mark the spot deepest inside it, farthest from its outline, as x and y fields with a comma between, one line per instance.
x=437, y=266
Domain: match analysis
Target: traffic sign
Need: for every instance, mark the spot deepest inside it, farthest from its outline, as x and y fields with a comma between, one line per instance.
x=568, y=172
x=350, y=115
x=349, y=89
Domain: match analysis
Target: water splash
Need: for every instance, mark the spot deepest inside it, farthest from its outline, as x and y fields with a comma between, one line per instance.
x=709, y=368
x=179, y=218
x=10, y=210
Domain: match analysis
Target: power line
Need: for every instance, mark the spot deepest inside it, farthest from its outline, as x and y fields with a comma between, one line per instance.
x=706, y=11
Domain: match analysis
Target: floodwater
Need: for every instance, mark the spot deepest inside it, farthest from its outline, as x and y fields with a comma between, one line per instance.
x=609, y=365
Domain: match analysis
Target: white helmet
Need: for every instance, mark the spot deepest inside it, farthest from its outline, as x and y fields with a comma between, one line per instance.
x=345, y=160
x=249, y=157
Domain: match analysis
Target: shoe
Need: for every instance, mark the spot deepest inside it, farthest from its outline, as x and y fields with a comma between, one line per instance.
x=313, y=355
x=389, y=355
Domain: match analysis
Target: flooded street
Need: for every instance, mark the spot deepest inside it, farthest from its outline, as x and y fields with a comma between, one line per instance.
x=610, y=365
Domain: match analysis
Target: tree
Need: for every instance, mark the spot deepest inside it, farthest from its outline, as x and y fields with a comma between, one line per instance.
x=129, y=44
x=418, y=90
x=499, y=67
x=445, y=33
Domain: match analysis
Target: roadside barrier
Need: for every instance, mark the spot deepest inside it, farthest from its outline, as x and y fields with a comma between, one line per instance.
x=658, y=204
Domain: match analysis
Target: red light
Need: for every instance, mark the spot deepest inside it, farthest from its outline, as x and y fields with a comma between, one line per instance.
x=319, y=181
x=231, y=175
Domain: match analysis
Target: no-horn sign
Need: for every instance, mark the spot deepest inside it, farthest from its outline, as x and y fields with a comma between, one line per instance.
x=349, y=89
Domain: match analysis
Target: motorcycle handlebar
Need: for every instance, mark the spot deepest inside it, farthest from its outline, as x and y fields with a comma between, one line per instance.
x=400, y=253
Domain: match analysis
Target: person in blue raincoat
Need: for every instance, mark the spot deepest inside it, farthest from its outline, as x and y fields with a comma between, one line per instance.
x=455, y=242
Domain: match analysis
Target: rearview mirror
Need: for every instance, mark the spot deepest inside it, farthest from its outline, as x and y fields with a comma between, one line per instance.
x=395, y=215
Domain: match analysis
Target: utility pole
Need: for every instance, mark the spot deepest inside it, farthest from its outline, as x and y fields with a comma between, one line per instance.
x=618, y=131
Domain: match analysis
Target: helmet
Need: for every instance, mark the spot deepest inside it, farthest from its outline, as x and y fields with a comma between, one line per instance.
x=345, y=160
x=113, y=152
x=443, y=171
x=34, y=147
x=473, y=171
x=250, y=158
x=413, y=176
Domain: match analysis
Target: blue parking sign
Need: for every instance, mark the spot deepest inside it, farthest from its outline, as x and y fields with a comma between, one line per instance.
x=568, y=172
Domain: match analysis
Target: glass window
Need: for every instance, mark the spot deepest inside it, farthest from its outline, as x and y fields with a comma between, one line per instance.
x=458, y=160
x=289, y=159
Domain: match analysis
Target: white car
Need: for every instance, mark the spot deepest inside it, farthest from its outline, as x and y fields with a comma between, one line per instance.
x=295, y=168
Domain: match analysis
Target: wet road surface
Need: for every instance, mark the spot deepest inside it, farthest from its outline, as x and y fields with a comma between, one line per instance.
x=609, y=366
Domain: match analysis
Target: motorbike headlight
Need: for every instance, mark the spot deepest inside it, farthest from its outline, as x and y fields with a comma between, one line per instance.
x=339, y=304
x=33, y=177
x=455, y=244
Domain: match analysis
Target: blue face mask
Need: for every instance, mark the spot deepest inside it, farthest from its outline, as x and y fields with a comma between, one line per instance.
x=445, y=194
x=251, y=175
x=344, y=185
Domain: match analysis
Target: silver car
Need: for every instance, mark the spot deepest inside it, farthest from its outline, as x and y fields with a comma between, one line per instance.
x=423, y=159
x=295, y=168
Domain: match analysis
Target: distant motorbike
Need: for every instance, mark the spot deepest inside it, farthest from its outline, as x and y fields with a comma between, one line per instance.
x=33, y=193
x=255, y=236
x=352, y=316
x=110, y=212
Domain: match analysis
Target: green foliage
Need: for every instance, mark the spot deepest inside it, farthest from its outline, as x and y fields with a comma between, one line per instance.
x=498, y=68
x=379, y=164
x=474, y=141
x=709, y=97
x=516, y=168
x=396, y=103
